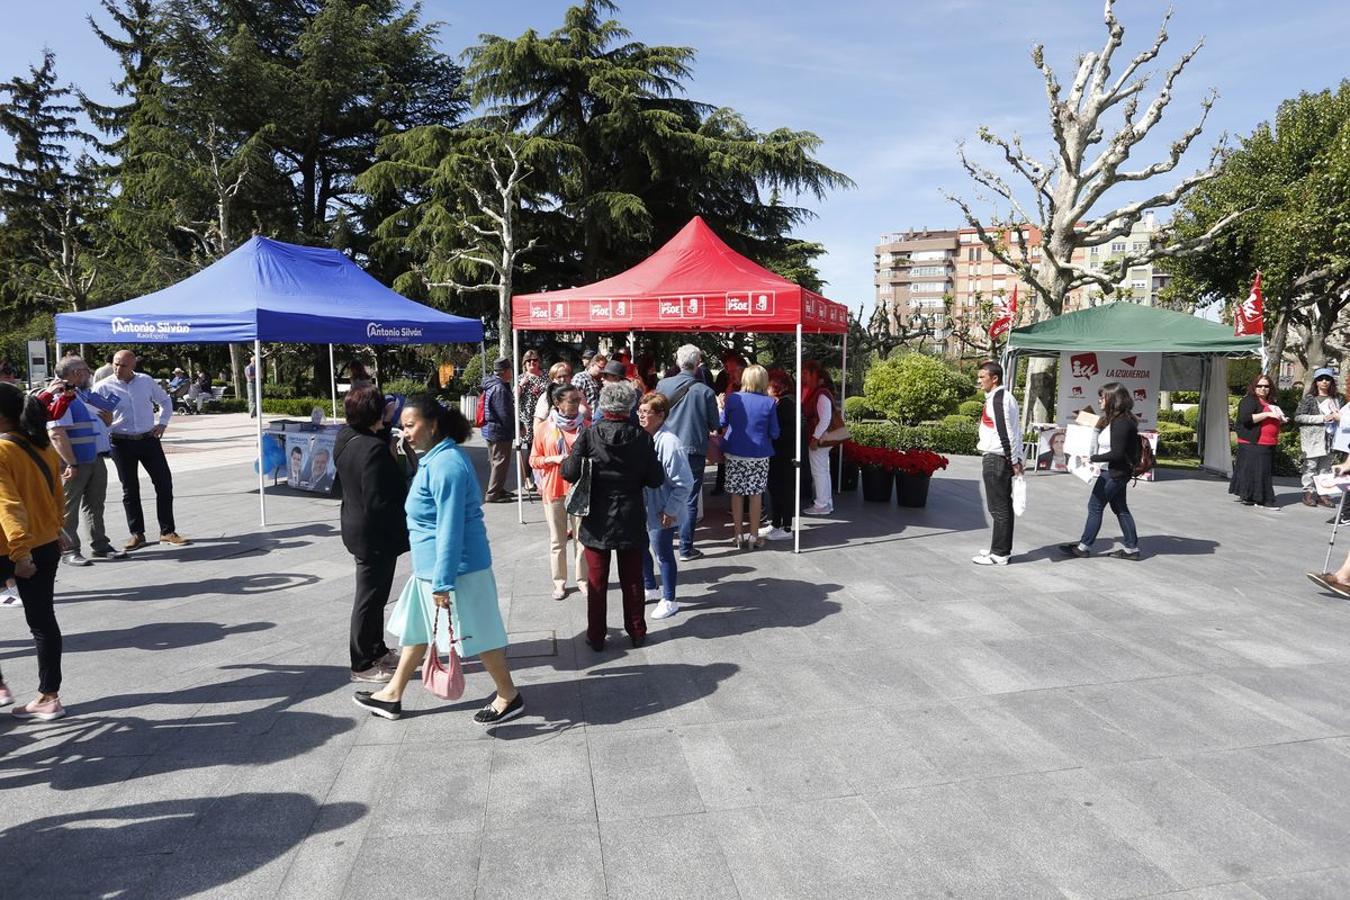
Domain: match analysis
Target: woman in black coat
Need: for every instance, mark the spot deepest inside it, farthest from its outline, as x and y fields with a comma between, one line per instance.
x=374, y=527
x=623, y=462
x=1117, y=453
x=1258, y=431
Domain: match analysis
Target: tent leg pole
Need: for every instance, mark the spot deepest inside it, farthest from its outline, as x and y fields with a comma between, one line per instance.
x=58, y=356
x=262, y=482
x=332, y=378
x=843, y=395
x=797, y=509
x=515, y=444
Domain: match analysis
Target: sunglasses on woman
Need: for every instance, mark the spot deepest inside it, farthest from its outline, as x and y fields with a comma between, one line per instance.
x=1265, y=386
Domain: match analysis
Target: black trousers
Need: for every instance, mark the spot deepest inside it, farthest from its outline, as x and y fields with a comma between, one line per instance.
x=148, y=452
x=374, y=580
x=781, y=489
x=38, y=595
x=998, y=500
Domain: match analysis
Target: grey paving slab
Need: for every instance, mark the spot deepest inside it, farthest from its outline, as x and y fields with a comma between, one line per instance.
x=665, y=858
x=874, y=717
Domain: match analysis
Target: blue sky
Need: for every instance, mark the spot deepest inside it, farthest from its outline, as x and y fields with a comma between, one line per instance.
x=891, y=88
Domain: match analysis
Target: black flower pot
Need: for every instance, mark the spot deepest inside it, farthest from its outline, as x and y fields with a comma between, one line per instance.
x=912, y=490
x=877, y=484
x=848, y=477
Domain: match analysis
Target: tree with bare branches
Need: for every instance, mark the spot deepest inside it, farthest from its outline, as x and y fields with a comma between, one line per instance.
x=1068, y=187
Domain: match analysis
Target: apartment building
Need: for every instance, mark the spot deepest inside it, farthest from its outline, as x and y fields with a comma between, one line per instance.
x=914, y=271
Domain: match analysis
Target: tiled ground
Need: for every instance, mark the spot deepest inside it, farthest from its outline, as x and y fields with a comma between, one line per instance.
x=873, y=718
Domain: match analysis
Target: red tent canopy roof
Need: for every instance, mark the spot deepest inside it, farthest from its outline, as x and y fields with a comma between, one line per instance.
x=693, y=283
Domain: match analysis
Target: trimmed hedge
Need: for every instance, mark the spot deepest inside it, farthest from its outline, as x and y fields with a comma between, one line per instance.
x=957, y=419
x=1191, y=416
x=971, y=408
x=297, y=406
x=856, y=409
x=940, y=438
x=1171, y=415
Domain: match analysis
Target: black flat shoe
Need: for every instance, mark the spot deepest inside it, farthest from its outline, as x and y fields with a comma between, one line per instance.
x=489, y=716
x=637, y=640
x=597, y=646
x=385, y=709
x=1124, y=554
x=1074, y=550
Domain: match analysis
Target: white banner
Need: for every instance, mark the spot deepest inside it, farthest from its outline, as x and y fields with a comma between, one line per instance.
x=1081, y=376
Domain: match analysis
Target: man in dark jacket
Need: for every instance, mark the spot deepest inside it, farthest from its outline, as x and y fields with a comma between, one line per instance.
x=372, y=486
x=499, y=428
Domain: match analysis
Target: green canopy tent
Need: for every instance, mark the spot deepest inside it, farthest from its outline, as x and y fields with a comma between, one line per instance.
x=1195, y=356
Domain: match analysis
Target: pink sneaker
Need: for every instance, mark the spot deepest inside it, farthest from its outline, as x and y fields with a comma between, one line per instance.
x=45, y=710
x=6, y=698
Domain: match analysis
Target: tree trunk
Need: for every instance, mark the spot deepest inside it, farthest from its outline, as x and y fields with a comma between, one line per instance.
x=235, y=371
x=1275, y=349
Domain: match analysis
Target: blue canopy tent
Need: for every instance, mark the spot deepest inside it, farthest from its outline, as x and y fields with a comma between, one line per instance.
x=266, y=290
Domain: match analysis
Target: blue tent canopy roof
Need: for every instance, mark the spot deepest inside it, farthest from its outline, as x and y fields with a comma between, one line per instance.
x=271, y=291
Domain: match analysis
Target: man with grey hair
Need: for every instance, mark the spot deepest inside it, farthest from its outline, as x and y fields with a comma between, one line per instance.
x=80, y=438
x=693, y=416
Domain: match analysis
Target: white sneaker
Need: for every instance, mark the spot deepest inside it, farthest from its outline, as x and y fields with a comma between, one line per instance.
x=988, y=559
x=818, y=510
x=766, y=530
x=653, y=594
x=665, y=609
x=73, y=558
x=778, y=534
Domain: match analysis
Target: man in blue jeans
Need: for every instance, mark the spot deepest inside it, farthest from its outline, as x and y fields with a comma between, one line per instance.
x=693, y=416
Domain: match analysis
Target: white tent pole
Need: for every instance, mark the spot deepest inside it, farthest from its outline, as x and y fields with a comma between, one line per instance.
x=843, y=395
x=58, y=356
x=258, y=381
x=632, y=345
x=515, y=426
x=332, y=375
x=797, y=508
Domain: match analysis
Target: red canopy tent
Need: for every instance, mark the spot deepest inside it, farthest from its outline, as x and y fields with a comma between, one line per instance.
x=693, y=283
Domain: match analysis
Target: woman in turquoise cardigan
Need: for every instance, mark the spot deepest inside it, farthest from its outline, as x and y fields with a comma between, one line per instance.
x=451, y=559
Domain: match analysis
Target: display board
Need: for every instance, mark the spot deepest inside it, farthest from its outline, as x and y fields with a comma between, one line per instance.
x=309, y=460
x=1082, y=374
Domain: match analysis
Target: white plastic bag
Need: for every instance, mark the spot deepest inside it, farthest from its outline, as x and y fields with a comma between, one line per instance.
x=1019, y=495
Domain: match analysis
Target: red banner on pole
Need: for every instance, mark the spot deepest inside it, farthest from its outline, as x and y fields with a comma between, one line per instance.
x=1004, y=317
x=1250, y=316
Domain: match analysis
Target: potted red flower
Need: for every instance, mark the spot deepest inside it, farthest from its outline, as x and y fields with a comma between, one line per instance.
x=877, y=467
x=913, y=475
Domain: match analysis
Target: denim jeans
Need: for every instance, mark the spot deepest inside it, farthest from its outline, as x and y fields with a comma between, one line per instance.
x=663, y=545
x=697, y=461
x=1110, y=491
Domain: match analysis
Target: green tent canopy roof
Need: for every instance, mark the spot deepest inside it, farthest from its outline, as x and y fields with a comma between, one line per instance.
x=1129, y=327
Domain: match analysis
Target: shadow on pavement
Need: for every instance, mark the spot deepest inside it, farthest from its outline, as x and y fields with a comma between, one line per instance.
x=260, y=542
x=167, y=848
x=1149, y=546
x=246, y=722
x=241, y=585
x=154, y=636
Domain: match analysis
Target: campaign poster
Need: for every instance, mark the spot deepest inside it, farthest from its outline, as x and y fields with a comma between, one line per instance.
x=1050, y=455
x=309, y=460
x=1081, y=376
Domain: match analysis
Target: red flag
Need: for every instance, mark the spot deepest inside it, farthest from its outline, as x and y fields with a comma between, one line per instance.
x=1004, y=317
x=1250, y=315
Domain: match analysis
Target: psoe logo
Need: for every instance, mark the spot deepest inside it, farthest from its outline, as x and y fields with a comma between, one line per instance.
x=738, y=304
x=763, y=304
x=1083, y=365
x=539, y=312
x=394, y=332
x=601, y=310
x=623, y=310
x=693, y=307
x=670, y=308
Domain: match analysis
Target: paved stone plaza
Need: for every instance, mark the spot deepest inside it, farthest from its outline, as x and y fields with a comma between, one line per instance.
x=873, y=718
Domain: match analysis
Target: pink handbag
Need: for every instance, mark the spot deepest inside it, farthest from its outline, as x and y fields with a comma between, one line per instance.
x=446, y=682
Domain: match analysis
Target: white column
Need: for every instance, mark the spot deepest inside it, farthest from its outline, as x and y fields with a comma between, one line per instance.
x=843, y=395
x=797, y=455
x=332, y=375
x=258, y=373
x=515, y=426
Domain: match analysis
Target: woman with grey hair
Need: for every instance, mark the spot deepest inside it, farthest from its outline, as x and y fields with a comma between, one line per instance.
x=623, y=461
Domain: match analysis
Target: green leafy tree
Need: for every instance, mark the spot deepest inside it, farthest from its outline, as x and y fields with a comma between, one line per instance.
x=915, y=387
x=1292, y=176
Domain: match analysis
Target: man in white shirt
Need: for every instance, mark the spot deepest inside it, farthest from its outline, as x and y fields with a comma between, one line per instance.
x=136, y=431
x=1001, y=443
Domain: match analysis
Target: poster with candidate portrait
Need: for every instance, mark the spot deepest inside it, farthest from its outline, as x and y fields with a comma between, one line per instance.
x=309, y=460
x=1081, y=376
x=1050, y=455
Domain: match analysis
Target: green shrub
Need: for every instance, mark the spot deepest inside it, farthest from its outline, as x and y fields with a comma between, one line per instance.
x=405, y=386
x=1191, y=416
x=1173, y=445
x=956, y=419
x=471, y=375
x=1185, y=396
x=297, y=406
x=1175, y=431
x=971, y=408
x=1240, y=374
x=914, y=387
x=940, y=438
x=856, y=409
x=1288, y=453
x=1171, y=415
x=227, y=406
